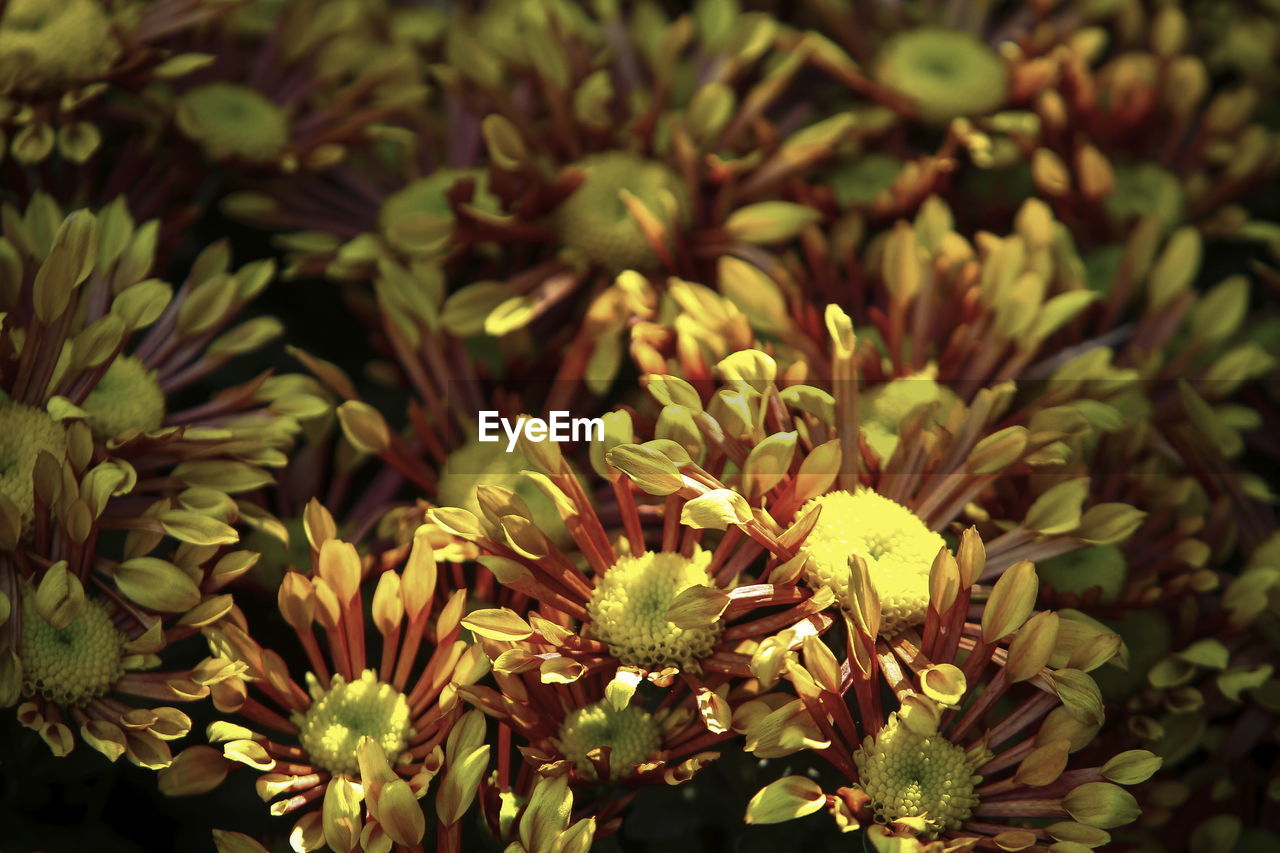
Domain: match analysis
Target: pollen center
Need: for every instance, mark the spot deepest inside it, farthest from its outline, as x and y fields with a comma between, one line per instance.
x=629, y=611
x=631, y=735
x=908, y=775
x=24, y=432
x=74, y=664
x=947, y=73
x=127, y=397
x=234, y=121
x=331, y=729
x=898, y=549
x=596, y=221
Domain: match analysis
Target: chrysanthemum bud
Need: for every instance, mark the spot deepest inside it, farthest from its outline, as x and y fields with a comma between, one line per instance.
x=770, y=221
x=1012, y=599
x=786, y=799
x=1101, y=804
x=647, y=467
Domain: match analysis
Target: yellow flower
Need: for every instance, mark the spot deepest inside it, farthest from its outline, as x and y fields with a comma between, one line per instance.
x=597, y=222
x=898, y=549
x=910, y=775
x=631, y=734
x=73, y=664
x=331, y=729
x=629, y=610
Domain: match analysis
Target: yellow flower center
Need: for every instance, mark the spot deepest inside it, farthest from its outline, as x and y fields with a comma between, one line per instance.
x=898, y=549
x=24, y=432
x=234, y=121
x=908, y=775
x=947, y=73
x=629, y=611
x=597, y=222
x=331, y=729
x=127, y=397
x=70, y=665
x=631, y=734
x=1101, y=566
x=54, y=42
x=883, y=408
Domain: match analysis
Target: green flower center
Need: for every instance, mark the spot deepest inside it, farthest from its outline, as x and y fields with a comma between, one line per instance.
x=426, y=197
x=883, y=408
x=70, y=665
x=331, y=729
x=898, y=549
x=24, y=432
x=54, y=42
x=631, y=734
x=477, y=464
x=629, y=611
x=234, y=121
x=1101, y=566
x=947, y=73
x=908, y=775
x=597, y=222
x=127, y=397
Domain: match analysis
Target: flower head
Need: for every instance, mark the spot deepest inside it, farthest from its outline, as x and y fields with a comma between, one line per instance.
x=915, y=776
x=342, y=714
x=371, y=730
x=233, y=121
x=628, y=610
x=946, y=73
x=892, y=540
x=631, y=735
x=74, y=663
x=596, y=219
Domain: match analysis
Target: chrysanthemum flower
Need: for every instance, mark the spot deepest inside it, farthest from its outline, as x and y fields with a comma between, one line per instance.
x=61, y=61
x=370, y=729
x=600, y=162
x=295, y=93
x=97, y=473
x=977, y=749
x=1061, y=106
x=599, y=738
x=81, y=300
x=677, y=610
x=81, y=637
